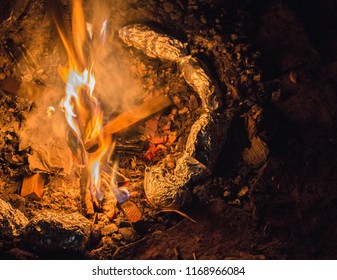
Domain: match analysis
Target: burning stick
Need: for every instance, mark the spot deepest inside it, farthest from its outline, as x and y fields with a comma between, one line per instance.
x=131, y=117
x=82, y=108
x=86, y=203
x=136, y=114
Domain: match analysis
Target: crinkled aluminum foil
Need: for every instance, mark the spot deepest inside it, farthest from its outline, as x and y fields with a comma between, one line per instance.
x=208, y=133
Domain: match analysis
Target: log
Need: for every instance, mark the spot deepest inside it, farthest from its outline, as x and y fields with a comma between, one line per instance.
x=32, y=186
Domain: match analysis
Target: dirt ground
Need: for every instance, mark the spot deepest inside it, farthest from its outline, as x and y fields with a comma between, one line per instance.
x=289, y=208
x=295, y=201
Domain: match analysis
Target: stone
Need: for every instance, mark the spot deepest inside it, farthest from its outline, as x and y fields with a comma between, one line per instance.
x=168, y=7
x=183, y=110
x=193, y=103
x=52, y=231
x=109, y=229
x=12, y=221
x=257, y=154
x=129, y=234
x=19, y=254
x=2, y=76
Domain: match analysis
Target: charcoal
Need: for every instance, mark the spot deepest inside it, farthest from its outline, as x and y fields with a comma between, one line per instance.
x=208, y=133
x=12, y=221
x=52, y=231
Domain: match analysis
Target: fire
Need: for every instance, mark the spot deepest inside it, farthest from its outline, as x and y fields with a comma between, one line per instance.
x=82, y=109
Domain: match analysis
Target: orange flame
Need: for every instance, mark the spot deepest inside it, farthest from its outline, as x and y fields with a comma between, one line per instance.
x=82, y=109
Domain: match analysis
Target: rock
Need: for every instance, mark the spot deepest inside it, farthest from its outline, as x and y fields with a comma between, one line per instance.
x=55, y=232
x=117, y=237
x=183, y=111
x=168, y=7
x=16, y=201
x=107, y=241
x=103, y=253
x=2, y=76
x=193, y=103
x=109, y=229
x=257, y=154
x=18, y=254
x=177, y=101
x=129, y=234
x=12, y=221
x=276, y=96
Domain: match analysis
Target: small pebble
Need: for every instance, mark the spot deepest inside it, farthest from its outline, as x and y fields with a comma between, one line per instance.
x=129, y=234
x=193, y=103
x=183, y=111
x=168, y=7
x=109, y=229
x=2, y=76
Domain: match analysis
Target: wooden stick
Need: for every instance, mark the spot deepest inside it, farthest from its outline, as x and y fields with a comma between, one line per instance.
x=132, y=116
x=136, y=114
x=32, y=186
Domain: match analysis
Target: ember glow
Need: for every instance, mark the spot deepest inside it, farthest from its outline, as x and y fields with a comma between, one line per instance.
x=82, y=108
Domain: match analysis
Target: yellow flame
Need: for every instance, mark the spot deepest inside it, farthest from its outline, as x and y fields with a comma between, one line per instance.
x=82, y=109
x=50, y=111
x=76, y=83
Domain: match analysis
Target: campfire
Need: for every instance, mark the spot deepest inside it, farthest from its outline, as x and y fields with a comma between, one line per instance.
x=84, y=112
x=119, y=131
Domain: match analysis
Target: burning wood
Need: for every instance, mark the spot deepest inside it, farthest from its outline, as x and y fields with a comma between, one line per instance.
x=82, y=108
x=131, y=117
x=32, y=186
x=136, y=114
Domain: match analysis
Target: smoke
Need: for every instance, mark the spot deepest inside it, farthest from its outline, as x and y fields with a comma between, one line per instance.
x=116, y=88
x=45, y=132
x=115, y=85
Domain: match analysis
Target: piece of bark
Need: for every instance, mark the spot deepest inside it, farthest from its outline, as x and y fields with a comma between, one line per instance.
x=32, y=186
x=131, y=211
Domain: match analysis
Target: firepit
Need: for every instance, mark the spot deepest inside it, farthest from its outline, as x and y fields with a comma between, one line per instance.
x=123, y=139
